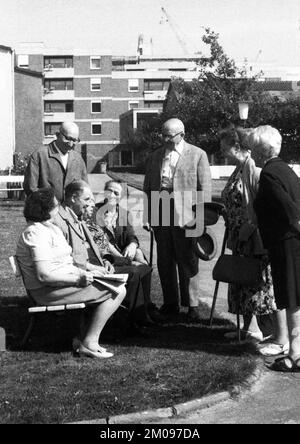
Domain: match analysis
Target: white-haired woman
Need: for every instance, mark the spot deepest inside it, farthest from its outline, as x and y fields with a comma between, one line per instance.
x=277, y=205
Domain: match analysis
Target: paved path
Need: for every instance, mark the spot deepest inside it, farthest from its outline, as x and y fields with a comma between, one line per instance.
x=274, y=399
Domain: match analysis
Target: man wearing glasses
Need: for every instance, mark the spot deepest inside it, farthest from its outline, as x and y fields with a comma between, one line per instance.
x=57, y=164
x=176, y=172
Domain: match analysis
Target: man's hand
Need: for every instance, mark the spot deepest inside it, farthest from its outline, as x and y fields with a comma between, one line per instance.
x=147, y=227
x=99, y=272
x=130, y=250
x=109, y=267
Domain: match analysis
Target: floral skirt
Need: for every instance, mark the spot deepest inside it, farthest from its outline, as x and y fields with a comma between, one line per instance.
x=253, y=301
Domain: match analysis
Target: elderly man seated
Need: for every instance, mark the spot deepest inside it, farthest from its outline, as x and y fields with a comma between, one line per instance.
x=78, y=202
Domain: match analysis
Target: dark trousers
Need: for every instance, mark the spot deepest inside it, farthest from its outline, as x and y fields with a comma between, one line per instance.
x=138, y=288
x=175, y=250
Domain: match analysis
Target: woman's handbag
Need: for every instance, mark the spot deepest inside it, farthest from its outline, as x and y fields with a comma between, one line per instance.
x=240, y=270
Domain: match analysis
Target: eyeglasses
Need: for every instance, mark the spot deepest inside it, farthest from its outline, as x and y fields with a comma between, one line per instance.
x=70, y=139
x=116, y=193
x=169, y=136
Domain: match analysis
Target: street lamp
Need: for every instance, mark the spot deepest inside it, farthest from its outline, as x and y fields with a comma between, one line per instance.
x=243, y=111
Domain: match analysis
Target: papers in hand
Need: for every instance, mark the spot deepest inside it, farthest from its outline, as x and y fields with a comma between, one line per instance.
x=114, y=282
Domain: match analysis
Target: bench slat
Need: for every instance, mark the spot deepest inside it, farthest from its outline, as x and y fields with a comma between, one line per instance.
x=55, y=308
x=37, y=309
x=75, y=306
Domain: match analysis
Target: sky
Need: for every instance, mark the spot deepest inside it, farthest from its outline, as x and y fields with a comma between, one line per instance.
x=266, y=30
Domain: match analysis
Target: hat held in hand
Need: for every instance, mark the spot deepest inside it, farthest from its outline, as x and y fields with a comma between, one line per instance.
x=206, y=245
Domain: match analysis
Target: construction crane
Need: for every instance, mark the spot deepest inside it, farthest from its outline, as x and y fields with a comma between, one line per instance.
x=175, y=30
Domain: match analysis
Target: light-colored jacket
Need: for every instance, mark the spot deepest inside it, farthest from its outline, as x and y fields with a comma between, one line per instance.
x=76, y=239
x=192, y=173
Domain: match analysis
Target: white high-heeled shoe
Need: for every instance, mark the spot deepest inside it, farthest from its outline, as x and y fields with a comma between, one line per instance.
x=99, y=354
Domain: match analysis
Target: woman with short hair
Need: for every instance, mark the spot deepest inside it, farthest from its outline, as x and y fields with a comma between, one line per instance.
x=277, y=205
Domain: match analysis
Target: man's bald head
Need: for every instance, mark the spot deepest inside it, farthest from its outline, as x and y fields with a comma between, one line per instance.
x=172, y=133
x=68, y=136
x=173, y=125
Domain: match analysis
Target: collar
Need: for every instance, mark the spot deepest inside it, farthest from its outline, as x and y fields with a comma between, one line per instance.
x=72, y=214
x=59, y=151
x=178, y=148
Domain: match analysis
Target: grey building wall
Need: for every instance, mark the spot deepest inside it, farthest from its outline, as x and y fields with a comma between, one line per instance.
x=28, y=111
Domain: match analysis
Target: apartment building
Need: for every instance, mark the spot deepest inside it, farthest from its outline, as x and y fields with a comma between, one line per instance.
x=7, y=111
x=95, y=88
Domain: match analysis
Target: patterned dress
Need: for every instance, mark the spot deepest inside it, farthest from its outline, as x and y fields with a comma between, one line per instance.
x=251, y=301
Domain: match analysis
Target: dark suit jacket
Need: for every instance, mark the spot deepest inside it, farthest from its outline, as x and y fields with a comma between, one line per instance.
x=45, y=169
x=278, y=202
x=192, y=173
x=76, y=239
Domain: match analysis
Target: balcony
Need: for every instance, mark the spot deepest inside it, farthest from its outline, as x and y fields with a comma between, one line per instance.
x=58, y=117
x=52, y=73
x=155, y=95
x=58, y=94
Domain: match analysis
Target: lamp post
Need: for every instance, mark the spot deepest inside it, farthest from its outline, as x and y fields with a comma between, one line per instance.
x=243, y=111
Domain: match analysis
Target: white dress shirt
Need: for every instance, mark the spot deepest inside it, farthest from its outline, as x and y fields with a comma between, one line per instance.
x=169, y=165
x=64, y=157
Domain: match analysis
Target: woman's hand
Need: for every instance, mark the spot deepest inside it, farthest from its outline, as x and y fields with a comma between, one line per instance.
x=85, y=279
x=130, y=250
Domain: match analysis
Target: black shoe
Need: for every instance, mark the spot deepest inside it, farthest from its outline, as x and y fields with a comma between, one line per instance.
x=169, y=309
x=156, y=316
x=137, y=330
x=194, y=314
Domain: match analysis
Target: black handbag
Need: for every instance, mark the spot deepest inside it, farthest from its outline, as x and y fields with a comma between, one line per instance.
x=240, y=270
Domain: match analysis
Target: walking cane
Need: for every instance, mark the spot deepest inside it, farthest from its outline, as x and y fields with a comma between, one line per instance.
x=217, y=282
x=151, y=247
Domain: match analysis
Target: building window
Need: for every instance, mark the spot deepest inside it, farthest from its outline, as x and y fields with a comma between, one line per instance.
x=23, y=61
x=63, y=84
x=95, y=62
x=126, y=158
x=153, y=104
x=156, y=85
x=133, y=85
x=58, y=62
x=51, y=128
x=96, y=107
x=96, y=128
x=96, y=84
x=133, y=105
x=58, y=107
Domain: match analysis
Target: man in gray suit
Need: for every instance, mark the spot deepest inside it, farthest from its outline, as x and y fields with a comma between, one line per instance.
x=57, y=164
x=181, y=171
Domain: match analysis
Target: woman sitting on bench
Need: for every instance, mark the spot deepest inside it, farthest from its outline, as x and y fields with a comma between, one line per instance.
x=46, y=262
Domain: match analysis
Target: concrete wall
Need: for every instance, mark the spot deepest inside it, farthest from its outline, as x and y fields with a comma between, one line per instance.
x=28, y=110
x=7, y=130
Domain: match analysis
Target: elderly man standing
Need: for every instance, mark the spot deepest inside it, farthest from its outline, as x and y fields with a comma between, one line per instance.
x=57, y=164
x=179, y=170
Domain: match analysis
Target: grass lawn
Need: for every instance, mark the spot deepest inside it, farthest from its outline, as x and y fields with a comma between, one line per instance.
x=174, y=363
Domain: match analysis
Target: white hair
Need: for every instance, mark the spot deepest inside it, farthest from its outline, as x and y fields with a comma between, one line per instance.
x=266, y=141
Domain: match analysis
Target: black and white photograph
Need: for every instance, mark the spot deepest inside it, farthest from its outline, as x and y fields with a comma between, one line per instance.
x=149, y=215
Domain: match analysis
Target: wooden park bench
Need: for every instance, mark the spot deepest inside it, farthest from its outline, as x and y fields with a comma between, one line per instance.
x=35, y=309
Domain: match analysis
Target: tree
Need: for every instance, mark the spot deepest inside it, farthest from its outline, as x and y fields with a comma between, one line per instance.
x=211, y=101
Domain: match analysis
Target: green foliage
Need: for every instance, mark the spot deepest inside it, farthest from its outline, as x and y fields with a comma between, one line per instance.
x=20, y=163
